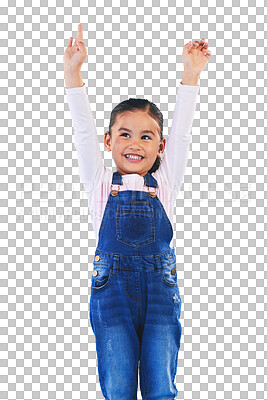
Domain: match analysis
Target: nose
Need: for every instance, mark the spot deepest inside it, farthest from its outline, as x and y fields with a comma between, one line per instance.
x=135, y=144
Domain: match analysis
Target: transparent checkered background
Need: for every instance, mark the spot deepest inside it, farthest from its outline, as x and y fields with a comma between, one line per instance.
x=47, y=239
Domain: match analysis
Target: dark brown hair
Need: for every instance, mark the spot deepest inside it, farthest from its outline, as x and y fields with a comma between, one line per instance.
x=139, y=104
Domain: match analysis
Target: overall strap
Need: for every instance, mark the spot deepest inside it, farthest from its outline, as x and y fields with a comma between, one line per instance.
x=117, y=178
x=150, y=181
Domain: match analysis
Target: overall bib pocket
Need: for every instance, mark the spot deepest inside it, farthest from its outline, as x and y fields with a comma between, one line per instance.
x=135, y=224
x=101, y=276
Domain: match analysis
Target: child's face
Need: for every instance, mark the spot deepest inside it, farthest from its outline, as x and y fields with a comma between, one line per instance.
x=135, y=141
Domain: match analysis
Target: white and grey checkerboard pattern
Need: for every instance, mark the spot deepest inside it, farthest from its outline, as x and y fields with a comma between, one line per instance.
x=47, y=239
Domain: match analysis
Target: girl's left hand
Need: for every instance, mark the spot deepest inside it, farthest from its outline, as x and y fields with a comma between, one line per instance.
x=196, y=56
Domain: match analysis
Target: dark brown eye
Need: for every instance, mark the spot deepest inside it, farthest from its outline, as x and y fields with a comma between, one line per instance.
x=146, y=136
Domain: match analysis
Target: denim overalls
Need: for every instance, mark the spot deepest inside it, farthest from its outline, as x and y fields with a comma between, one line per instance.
x=135, y=301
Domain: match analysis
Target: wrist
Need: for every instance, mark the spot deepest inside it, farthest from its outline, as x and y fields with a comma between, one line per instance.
x=190, y=79
x=73, y=79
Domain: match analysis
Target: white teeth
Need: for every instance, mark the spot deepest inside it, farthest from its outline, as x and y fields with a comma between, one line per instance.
x=133, y=157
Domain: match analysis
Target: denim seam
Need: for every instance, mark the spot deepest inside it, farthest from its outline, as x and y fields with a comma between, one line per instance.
x=167, y=218
x=144, y=378
x=137, y=299
x=103, y=218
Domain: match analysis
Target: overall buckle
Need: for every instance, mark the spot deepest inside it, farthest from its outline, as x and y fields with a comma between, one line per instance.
x=152, y=193
x=113, y=191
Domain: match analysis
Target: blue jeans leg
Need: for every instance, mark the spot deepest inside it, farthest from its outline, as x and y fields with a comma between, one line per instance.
x=160, y=341
x=117, y=345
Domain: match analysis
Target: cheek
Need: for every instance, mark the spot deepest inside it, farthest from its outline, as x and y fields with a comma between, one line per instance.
x=155, y=148
x=118, y=143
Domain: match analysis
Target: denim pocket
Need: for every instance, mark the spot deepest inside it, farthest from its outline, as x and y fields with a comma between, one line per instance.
x=101, y=276
x=169, y=273
x=135, y=224
x=168, y=268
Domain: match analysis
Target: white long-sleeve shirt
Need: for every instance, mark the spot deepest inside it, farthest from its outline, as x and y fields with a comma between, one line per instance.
x=97, y=179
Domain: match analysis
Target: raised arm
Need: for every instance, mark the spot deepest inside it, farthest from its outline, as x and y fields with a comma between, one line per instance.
x=91, y=166
x=173, y=165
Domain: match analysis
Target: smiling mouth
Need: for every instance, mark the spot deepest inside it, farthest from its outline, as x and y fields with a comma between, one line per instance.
x=133, y=158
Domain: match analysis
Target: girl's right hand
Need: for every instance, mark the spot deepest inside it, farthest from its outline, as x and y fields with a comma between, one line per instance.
x=75, y=55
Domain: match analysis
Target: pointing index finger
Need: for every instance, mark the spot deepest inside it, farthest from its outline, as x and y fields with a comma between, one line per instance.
x=80, y=33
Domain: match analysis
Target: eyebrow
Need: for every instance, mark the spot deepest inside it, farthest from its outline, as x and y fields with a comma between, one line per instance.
x=128, y=130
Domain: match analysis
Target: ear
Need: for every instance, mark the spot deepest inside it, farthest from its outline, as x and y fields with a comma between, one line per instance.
x=161, y=148
x=107, y=141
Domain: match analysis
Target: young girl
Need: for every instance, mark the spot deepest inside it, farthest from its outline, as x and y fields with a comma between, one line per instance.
x=135, y=301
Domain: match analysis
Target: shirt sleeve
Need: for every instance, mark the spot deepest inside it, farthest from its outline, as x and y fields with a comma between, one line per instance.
x=91, y=165
x=175, y=156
